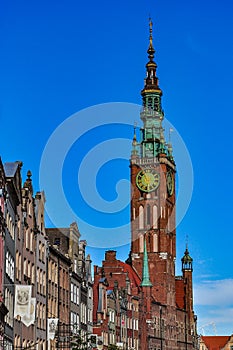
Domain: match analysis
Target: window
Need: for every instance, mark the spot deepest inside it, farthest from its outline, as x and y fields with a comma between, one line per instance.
x=56, y=241
x=134, y=213
x=33, y=274
x=141, y=241
x=17, y=265
x=75, y=265
x=72, y=292
x=25, y=267
x=7, y=263
x=19, y=229
x=27, y=238
x=39, y=250
x=155, y=217
x=43, y=253
x=141, y=217
x=75, y=294
x=41, y=281
x=31, y=241
x=155, y=242
x=44, y=283
x=38, y=278
x=77, y=302
x=148, y=215
x=20, y=270
x=44, y=316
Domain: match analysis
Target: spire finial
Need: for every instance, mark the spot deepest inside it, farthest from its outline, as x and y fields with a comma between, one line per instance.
x=28, y=182
x=187, y=241
x=151, y=49
x=150, y=24
x=29, y=174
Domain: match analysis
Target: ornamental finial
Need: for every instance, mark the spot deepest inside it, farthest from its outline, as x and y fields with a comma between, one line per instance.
x=151, y=49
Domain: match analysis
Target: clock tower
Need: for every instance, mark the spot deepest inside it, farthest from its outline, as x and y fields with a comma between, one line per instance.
x=153, y=192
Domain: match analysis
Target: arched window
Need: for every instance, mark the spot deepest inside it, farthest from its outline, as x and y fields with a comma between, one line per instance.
x=168, y=219
x=155, y=243
x=141, y=241
x=155, y=216
x=148, y=215
x=134, y=213
x=19, y=267
x=141, y=217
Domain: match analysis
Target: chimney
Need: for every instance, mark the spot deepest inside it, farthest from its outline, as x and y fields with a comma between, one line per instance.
x=110, y=255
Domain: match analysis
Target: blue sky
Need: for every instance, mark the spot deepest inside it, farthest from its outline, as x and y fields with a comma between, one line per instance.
x=57, y=58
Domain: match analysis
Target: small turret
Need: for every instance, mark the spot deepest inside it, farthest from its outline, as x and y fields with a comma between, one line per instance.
x=28, y=182
x=187, y=261
x=134, y=143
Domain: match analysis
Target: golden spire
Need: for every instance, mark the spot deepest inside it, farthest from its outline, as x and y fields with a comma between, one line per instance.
x=151, y=80
x=151, y=49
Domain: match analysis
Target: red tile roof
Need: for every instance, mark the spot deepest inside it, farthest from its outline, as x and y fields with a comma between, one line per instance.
x=215, y=342
x=131, y=273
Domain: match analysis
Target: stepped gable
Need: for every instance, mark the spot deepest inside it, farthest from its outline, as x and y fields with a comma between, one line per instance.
x=115, y=269
x=131, y=274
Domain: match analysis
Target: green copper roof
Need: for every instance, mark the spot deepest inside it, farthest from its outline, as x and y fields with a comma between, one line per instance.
x=187, y=261
x=145, y=273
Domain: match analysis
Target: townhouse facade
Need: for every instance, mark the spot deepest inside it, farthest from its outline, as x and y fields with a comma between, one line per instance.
x=3, y=308
x=77, y=271
x=12, y=214
x=116, y=304
x=39, y=282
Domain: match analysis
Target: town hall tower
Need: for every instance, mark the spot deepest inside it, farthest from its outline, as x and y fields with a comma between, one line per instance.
x=153, y=307
x=153, y=192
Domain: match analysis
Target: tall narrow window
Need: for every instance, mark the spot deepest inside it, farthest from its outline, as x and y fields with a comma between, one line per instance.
x=141, y=217
x=155, y=243
x=27, y=238
x=25, y=266
x=155, y=217
x=168, y=220
x=19, y=268
x=141, y=241
x=134, y=215
x=148, y=215
x=31, y=241
x=33, y=274
x=17, y=264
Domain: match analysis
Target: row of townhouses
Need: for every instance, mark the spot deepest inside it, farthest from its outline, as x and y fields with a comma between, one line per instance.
x=45, y=274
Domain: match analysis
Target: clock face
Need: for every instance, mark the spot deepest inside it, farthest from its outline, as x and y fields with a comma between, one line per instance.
x=170, y=183
x=147, y=180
